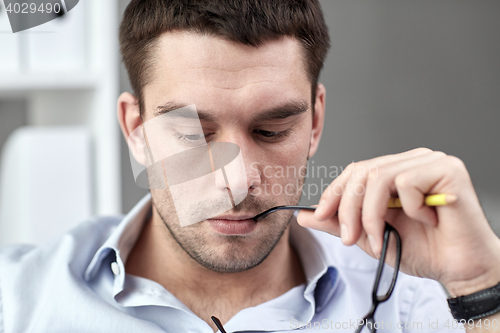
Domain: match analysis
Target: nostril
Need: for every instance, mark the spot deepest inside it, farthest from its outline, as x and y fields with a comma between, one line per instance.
x=253, y=181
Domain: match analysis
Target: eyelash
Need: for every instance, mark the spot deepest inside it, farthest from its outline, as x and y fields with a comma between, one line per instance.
x=185, y=137
x=267, y=135
x=274, y=135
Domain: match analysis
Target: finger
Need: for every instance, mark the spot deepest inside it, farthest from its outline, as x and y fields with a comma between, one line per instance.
x=349, y=211
x=352, y=200
x=330, y=199
x=379, y=186
x=413, y=185
x=306, y=219
x=412, y=198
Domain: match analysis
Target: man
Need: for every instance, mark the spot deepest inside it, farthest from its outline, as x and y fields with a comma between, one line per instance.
x=251, y=69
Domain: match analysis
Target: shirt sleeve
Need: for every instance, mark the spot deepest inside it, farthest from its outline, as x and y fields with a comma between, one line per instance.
x=429, y=310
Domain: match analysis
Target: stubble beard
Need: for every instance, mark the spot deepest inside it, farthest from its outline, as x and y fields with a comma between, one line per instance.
x=230, y=253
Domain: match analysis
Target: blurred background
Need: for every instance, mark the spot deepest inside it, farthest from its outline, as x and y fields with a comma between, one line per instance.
x=400, y=75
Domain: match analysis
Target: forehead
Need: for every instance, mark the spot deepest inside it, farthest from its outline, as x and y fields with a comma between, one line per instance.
x=190, y=68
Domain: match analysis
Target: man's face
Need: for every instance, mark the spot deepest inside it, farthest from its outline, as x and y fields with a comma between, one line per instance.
x=257, y=98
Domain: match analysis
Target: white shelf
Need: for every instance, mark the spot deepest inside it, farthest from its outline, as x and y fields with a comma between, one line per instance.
x=70, y=77
x=46, y=81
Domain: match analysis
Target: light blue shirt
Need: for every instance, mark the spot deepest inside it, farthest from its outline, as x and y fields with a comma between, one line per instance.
x=78, y=283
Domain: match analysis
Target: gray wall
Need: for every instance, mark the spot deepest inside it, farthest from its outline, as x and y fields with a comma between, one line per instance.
x=405, y=74
x=131, y=193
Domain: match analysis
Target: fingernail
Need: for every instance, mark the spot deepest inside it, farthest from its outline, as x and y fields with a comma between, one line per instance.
x=373, y=245
x=321, y=208
x=344, y=233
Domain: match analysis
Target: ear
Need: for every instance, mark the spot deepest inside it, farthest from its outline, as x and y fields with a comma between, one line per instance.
x=318, y=119
x=130, y=120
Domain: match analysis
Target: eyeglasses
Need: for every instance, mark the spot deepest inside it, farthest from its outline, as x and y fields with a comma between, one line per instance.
x=368, y=321
x=218, y=324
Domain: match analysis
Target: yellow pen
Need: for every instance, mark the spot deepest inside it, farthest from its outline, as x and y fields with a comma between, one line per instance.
x=441, y=199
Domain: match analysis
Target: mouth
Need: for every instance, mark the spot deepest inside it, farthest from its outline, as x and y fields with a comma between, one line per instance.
x=233, y=224
x=231, y=217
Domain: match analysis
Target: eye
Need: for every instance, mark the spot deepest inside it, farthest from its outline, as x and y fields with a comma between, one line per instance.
x=272, y=136
x=190, y=138
x=194, y=137
x=267, y=134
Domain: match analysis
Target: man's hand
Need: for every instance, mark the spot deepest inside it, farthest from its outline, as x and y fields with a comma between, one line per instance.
x=452, y=244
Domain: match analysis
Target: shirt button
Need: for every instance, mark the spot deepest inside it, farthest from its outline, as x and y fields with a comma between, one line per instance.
x=115, y=268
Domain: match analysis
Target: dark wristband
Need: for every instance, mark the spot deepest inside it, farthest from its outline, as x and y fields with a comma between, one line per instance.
x=477, y=305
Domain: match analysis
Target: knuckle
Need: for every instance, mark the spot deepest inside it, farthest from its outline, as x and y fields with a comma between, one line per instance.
x=350, y=166
x=359, y=171
x=456, y=163
x=373, y=173
x=422, y=150
x=439, y=154
x=356, y=166
x=348, y=169
x=402, y=181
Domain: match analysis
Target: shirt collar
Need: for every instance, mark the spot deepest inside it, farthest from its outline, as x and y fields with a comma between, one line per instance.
x=321, y=274
x=122, y=239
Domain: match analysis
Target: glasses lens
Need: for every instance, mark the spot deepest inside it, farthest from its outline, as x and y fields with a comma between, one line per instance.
x=385, y=281
x=387, y=278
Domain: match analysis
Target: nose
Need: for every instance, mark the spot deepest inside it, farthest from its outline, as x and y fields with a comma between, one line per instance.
x=241, y=175
x=253, y=175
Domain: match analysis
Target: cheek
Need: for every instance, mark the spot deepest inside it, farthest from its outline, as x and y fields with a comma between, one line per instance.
x=288, y=163
x=294, y=150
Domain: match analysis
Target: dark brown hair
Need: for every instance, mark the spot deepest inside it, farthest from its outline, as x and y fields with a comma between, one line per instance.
x=250, y=22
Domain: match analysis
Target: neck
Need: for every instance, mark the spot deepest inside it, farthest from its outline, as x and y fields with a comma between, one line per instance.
x=157, y=256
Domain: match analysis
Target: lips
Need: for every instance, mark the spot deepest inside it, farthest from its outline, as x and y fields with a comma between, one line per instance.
x=233, y=225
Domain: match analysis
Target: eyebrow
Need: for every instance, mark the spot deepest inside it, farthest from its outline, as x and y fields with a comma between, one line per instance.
x=288, y=109
x=169, y=106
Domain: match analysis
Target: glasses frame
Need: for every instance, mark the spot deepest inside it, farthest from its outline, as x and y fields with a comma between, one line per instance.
x=376, y=299
x=265, y=213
